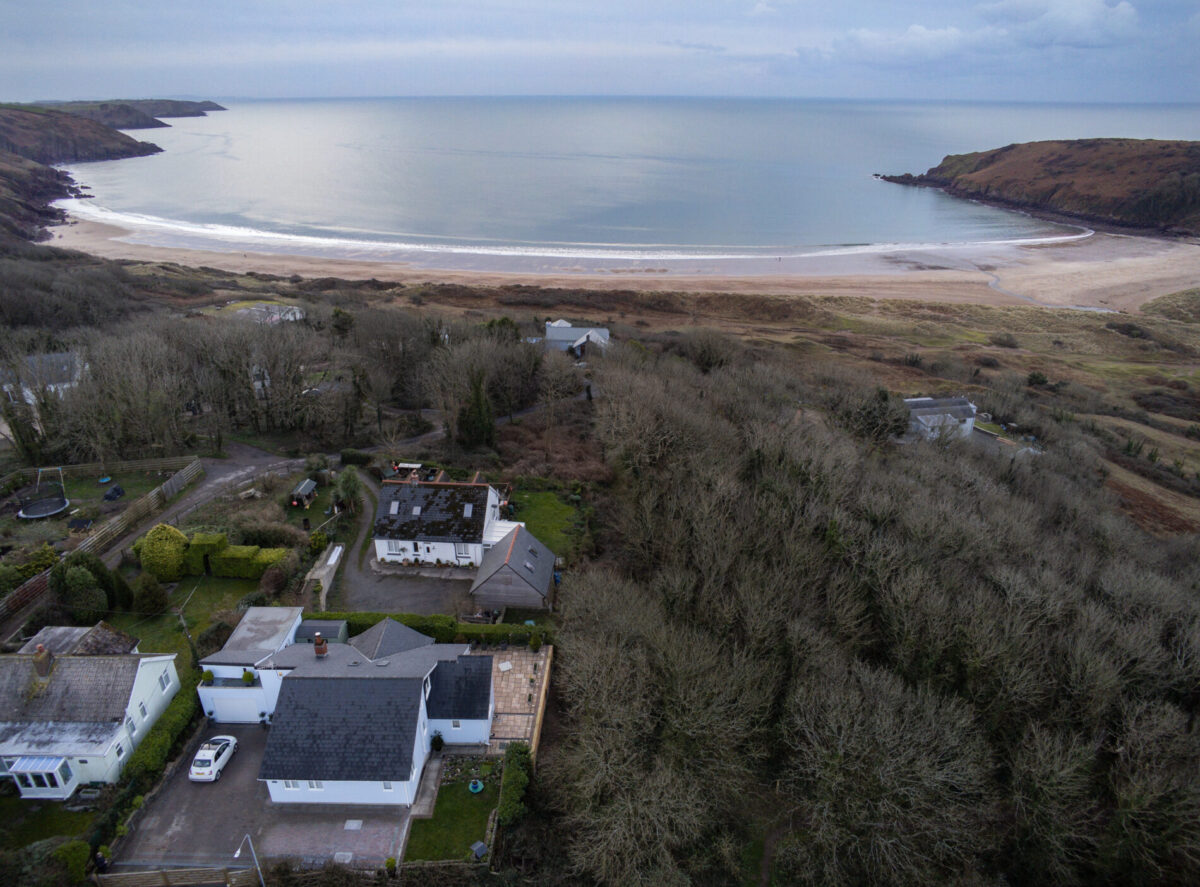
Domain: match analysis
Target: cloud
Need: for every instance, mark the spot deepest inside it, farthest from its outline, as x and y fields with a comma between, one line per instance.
x=695, y=47
x=1076, y=23
x=917, y=43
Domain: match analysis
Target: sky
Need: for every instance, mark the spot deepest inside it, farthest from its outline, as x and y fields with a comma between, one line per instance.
x=1005, y=50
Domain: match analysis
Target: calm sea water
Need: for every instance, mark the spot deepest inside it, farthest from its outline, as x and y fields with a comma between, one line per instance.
x=511, y=183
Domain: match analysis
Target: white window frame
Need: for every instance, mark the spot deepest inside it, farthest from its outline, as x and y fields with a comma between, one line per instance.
x=130, y=725
x=462, y=550
x=142, y=710
x=316, y=785
x=164, y=680
x=120, y=751
x=291, y=785
x=394, y=546
x=387, y=786
x=455, y=725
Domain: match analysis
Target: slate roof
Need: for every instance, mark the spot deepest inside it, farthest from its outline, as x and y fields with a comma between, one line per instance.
x=102, y=639
x=389, y=638
x=955, y=407
x=58, y=368
x=347, y=661
x=80, y=689
x=522, y=553
x=443, y=515
x=58, y=639
x=461, y=689
x=336, y=729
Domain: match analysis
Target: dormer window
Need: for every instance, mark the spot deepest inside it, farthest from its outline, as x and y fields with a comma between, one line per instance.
x=529, y=566
x=467, y=509
x=416, y=511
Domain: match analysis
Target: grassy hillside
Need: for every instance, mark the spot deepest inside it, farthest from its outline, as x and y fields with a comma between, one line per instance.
x=1141, y=182
x=134, y=113
x=49, y=136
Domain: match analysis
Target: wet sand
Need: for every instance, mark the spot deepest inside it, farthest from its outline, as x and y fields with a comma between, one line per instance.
x=1104, y=271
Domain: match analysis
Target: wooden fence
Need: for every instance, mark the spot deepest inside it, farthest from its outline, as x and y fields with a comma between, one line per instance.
x=181, y=878
x=170, y=463
x=113, y=529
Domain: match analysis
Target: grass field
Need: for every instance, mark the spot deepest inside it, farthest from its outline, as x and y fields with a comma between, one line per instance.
x=459, y=820
x=549, y=518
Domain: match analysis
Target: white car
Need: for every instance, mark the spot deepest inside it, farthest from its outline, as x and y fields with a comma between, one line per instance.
x=211, y=759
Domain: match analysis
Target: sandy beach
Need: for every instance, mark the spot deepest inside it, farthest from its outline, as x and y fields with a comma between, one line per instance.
x=1105, y=271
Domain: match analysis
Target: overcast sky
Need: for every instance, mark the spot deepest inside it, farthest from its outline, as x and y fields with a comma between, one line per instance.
x=1036, y=50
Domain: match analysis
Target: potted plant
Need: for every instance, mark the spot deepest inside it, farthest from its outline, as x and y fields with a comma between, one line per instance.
x=247, y=678
x=437, y=741
x=206, y=678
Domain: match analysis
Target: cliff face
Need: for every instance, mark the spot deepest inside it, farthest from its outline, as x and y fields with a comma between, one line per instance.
x=26, y=190
x=1136, y=182
x=56, y=137
x=134, y=113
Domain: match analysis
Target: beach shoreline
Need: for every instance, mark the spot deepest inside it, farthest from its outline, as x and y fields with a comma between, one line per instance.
x=1104, y=271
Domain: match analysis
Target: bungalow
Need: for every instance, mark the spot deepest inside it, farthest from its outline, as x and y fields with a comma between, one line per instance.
x=519, y=572
x=72, y=719
x=561, y=336
x=940, y=417
x=424, y=523
x=53, y=373
x=231, y=697
x=354, y=723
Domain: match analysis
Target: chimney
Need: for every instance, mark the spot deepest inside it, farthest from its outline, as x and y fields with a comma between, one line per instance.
x=43, y=661
x=320, y=646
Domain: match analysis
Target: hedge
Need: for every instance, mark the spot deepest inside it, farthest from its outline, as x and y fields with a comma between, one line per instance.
x=355, y=457
x=443, y=629
x=517, y=768
x=40, y=561
x=162, y=551
x=202, y=544
x=74, y=855
x=245, y=561
x=148, y=760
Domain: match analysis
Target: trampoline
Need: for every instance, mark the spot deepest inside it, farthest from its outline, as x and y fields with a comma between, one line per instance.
x=48, y=498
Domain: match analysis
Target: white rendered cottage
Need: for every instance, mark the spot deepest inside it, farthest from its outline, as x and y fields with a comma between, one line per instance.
x=562, y=336
x=940, y=417
x=68, y=720
x=424, y=523
x=354, y=722
x=231, y=698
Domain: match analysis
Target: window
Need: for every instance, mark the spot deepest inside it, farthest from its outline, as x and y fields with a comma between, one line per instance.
x=120, y=751
x=468, y=509
x=291, y=785
x=64, y=773
x=142, y=710
x=394, y=547
x=462, y=550
x=39, y=780
x=387, y=786
x=316, y=785
x=164, y=680
x=394, y=508
x=130, y=725
x=416, y=511
x=24, y=779
x=454, y=725
x=6, y=764
x=426, y=686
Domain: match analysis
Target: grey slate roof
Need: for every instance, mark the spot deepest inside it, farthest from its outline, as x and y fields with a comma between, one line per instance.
x=461, y=689
x=346, y=661
x=57, y=368
x=79, y=689
x=58, y=639
x=389, y=638
x=955, y=407
x=102, y=638
x=335, y=729
x=524, y=554
x=443, y=512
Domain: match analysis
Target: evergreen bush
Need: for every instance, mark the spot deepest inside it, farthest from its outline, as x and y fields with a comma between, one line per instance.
x=149, y=596
x=162, y=553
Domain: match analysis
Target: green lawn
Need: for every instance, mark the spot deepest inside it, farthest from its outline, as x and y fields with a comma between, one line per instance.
x=25, y=822
x=549, y=518
x=459, y=820
x=205, y=595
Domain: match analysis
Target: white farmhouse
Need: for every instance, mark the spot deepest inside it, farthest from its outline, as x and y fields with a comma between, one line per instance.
x=355, y=722
x=231, y=698
x=940, y=417
x=561, y=336
x=72, y=719
x=424, y=523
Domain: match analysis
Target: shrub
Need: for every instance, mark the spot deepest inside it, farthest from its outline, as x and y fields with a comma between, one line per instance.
x=245, y=561
x=317, y=541
x=206, y=677
x=74, y=855
x=82, y=596
x=517, y=767
x=122, y=592
x=272, y=534
x=355, y=457
x=1003, y=340
x=253, y=599
x=247, y=677
x=273, y=581
x=10, y=578
x=39, y=561
x=437, y=742
x=1035, y=378
x=162, y=552
x=100, y=572
x=148, y=759
x=149, y=596
x=213, y=638
x=535, y=641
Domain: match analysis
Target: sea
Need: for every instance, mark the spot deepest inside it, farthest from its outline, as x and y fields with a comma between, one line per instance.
x=685, y=185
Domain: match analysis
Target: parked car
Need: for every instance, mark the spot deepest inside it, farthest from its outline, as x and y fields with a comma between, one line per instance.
x=211, y=759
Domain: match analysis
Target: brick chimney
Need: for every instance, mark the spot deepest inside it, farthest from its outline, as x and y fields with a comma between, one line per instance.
x=43, y=661
x=320, y=645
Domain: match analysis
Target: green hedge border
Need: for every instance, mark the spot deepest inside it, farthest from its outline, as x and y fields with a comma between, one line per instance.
x=443, y=629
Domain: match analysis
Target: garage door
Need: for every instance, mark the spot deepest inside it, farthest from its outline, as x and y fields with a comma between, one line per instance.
x=237, y=710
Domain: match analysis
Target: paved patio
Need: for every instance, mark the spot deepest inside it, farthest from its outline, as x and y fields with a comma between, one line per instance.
x=518, y=690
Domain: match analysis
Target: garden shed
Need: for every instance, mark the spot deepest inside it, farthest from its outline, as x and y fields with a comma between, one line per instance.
x=305, y=493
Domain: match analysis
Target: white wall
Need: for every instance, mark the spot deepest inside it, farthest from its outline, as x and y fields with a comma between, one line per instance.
x=430, y=552
x=468, y=732
x=343, y=792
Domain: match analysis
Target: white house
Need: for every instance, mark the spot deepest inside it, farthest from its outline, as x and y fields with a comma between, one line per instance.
x=940, y=417
x=424, y=523
x=68, y=720
x=37, y=373
x=561, y=336
x=231, y=698
x=354, y=723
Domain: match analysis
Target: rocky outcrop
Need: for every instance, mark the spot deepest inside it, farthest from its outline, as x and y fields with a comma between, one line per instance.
x=1144, y=183
x=26, y=190
x=57, y=137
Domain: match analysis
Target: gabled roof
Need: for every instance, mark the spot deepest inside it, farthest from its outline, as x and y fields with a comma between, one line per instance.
x=330, y=629
x=522, y=553
x=337, y=729
x=58, y=368
x=389, y=638
x=100, y=639
x=461, y=689
x=79, y=689
x=956, y=407
x=432, y=512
